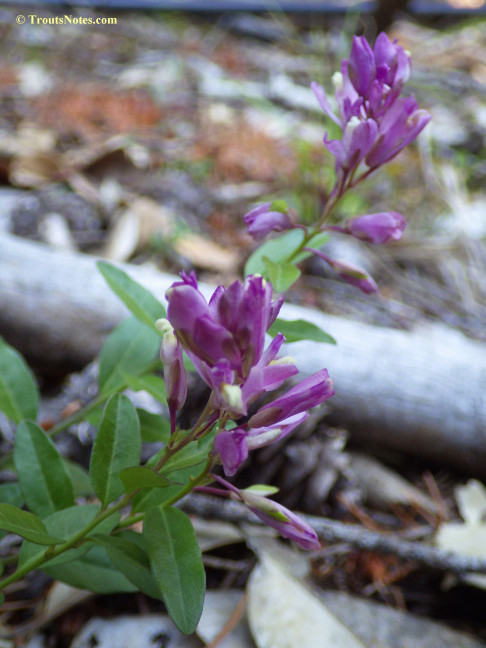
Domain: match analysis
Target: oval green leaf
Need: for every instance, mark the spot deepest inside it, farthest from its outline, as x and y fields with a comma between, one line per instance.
x=297, y=330
x=139, y=301
x=130, y=348
x=26, y=525
x=43, y=478
x=176, y=564
x=19, y=396
x=117, y=446
x=129, y=556
x=94, y=571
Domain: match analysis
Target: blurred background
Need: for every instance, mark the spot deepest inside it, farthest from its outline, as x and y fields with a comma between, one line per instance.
x=143, y=131
x=147, y=136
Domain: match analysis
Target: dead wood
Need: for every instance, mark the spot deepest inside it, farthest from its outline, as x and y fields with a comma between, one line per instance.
x=354, y=535
x=422, y=392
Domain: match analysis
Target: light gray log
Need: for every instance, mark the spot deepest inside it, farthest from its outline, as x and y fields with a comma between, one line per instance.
x=423, y=392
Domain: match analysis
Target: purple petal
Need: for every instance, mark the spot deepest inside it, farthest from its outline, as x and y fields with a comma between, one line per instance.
x=263, y=436
x=231, y=447
x=362, y=70
x=310, y=392
x=321, y=97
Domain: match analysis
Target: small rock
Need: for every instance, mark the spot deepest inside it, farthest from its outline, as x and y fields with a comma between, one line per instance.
x=151, y=631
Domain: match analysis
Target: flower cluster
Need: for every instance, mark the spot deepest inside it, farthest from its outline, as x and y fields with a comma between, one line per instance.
x=225, y=339
x=376, y=123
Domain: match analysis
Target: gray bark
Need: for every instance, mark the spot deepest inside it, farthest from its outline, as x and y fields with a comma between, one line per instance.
x=420, y=391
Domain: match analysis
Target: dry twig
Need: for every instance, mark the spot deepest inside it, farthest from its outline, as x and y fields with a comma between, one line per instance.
x=353, y=534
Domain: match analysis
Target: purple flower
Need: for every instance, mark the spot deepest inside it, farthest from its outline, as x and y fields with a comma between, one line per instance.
x=194, y=325
x=367, y=92
x=310, y=392
x=358, y=138
x=288, y=524
x=377, y=228
x=230, y=328
x=225, y=339
x=232, y=446
x=262, y=220
x=401, y=124
x=393, y=65
x=174, y=373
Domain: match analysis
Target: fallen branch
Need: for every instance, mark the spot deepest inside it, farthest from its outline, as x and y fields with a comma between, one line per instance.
x=352, y=534
x=422, y=392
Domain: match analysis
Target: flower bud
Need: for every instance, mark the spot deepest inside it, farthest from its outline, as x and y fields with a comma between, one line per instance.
x=265, y=219
x=377, y=228
x=349, y=273
x=174, y=373
x=288, y=524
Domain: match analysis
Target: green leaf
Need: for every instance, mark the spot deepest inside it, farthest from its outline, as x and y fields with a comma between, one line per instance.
x=142, y=477
x=94, y=571
x=129, y=556
x=315, y=242
x=282, y=275
x=277, y=250
x=25, y=524
x=297, y=330
x=129, y=349
x=175, y=559
x=117, y=446
x=153, y=385
x=153, y=427
x=11, y=494
x=43, y=478
x=139, y=301
x=19, y=396
x=65, y=524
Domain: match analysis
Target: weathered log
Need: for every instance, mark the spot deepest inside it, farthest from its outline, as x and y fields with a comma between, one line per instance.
x=422, y=392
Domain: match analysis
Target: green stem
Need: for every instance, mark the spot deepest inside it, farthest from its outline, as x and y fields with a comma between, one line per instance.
x=133, y=519
x=330, y=205
x=191, y=484
x=56, y=550
x=80, y=414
